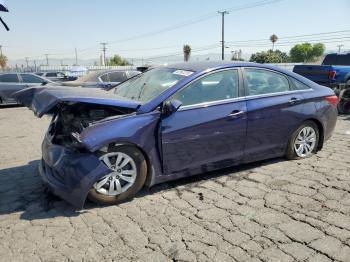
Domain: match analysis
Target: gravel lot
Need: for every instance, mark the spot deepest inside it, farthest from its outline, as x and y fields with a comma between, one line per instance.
x=274, y=210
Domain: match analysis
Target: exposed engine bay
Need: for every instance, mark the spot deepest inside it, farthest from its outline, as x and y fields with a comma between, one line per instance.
x=72, y=118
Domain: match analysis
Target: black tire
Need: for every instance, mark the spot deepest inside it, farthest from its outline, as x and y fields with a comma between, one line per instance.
x=291, y=154
x=344, y=101
x=141, y=167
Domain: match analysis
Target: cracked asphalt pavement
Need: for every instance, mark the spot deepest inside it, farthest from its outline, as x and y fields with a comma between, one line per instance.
x=274, y=210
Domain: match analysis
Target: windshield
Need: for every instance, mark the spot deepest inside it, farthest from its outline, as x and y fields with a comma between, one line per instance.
x=150, y=84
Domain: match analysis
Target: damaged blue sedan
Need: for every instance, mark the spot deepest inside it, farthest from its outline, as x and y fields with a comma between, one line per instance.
x=173, y=122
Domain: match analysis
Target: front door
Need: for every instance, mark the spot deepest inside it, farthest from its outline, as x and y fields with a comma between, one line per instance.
x=208, y=131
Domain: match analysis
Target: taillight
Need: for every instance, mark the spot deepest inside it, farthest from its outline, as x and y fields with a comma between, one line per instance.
x=331, y=74
x=332, y=100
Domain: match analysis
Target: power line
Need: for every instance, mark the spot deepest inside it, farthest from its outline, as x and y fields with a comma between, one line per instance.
x=197, y=20
x=262, y=44
x=190, y=22
x=199, y=49
x=290, y=37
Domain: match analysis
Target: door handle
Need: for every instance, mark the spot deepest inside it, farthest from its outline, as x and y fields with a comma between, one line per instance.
x=294, y=101
x=236, y=113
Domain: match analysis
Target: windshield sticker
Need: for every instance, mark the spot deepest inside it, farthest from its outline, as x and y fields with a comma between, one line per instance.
x=182, y=73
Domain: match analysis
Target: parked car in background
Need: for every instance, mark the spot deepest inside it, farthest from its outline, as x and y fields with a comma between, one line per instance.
x=173, y=122
x=57, y=76
x=335, y=73
x=334, y=70
x=13, y=82
x=103, y=79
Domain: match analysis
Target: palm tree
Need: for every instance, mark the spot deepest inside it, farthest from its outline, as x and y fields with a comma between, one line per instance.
x=273, y=39
x=3, y=61
x=187, y=52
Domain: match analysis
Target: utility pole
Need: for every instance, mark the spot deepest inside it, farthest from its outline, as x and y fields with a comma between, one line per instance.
x=76, y=56
x=35, y=65
x=27, y=62
x=223, y=13
x=104, y=49
x=339, y=47
x=47, y=59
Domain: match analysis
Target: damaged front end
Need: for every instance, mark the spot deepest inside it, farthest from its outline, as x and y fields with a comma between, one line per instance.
x=68, y=167
x=71, y=119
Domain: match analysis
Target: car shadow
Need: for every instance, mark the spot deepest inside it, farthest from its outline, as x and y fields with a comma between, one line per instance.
x=22, y=191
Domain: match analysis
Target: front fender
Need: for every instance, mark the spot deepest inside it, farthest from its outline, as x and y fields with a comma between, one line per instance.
x=141, y=130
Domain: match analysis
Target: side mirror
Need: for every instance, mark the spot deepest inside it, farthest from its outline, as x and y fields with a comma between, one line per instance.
x=44, y=83
x=171, y=106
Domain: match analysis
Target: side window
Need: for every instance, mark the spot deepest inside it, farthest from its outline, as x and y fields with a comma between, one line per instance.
x=297, y=85
x=117, y=77
x=51, y=74
x=31, y=79
x=218, y=86
x=9, y=78
x=104, y=78
x=265, y=82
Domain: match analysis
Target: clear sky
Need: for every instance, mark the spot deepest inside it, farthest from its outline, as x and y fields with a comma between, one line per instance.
x=56, y=27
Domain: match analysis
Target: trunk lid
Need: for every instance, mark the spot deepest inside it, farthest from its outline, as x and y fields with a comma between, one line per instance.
x=46, y=100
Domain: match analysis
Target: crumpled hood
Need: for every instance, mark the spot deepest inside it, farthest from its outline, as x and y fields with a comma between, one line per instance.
x=45, y=100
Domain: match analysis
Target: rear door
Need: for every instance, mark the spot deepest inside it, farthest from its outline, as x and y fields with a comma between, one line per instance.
x=274, y=112
x=208, y=131
x=9, y=84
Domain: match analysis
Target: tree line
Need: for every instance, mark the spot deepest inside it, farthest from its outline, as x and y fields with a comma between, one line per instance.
x=304, y=52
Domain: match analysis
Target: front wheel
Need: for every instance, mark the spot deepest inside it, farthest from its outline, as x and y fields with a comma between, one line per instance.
x=128, y=174
x=304, y=141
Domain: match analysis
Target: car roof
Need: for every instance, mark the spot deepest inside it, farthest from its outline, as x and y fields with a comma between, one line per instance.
x=204, y=65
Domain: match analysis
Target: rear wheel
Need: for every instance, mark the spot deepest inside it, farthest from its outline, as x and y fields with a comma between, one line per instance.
x=304, y=141
x=128, y=174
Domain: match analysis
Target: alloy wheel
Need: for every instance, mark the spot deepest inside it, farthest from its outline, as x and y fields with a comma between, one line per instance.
x=305, y=142
x=121, y=178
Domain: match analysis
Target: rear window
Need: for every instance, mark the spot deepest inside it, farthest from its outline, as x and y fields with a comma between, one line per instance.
x=297, y=85
x=9, y=78
x=337, y=59
x=117, y=77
